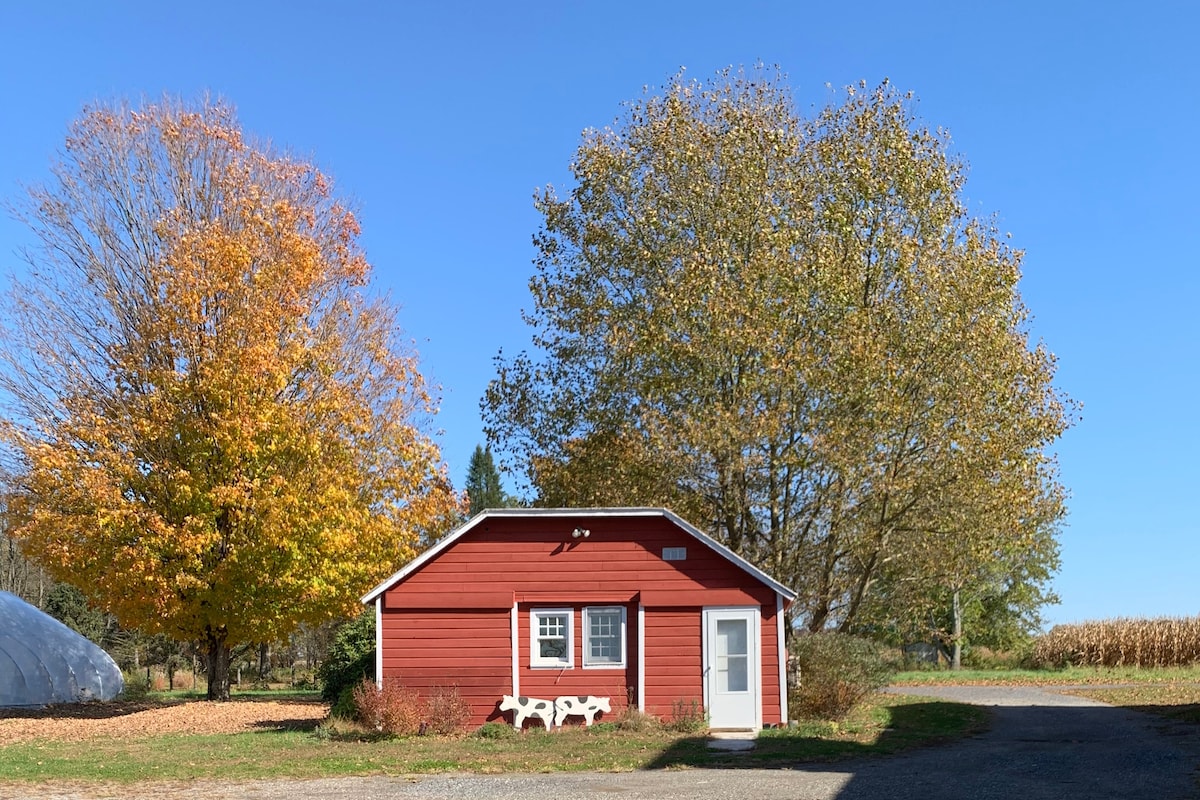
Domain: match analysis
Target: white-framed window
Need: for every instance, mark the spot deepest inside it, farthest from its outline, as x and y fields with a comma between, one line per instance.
x=550, y=642
x=604, y=636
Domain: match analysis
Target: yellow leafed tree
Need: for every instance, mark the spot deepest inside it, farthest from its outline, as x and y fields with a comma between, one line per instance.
x=794, y=332
x=214, y=431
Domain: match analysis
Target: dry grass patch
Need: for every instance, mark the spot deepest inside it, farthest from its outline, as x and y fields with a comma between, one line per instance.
x=1069, y=676
x=1180, y=702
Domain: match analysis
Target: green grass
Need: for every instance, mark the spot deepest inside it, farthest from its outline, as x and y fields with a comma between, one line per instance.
x=886, y=724
x=1051, y=677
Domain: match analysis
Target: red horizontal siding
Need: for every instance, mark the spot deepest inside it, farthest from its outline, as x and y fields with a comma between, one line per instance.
x=538, y=554
x=469, y=686
x=472, y=650
x=673, y=674
x=614, y=683
x=449, y=621
x=479, y=663
x=714, y=596
x=467, y=597
x=571, y=596
x=674, y=661
x=769, y=638
x=451, y=633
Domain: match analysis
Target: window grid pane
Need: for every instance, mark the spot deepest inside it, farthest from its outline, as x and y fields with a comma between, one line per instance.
x=551, y=626
x=605, y=645
x=551, y=639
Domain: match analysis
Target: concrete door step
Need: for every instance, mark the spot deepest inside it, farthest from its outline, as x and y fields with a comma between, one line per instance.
x=732, y=741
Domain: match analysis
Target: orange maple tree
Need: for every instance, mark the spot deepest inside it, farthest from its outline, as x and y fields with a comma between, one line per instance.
x=214, y=431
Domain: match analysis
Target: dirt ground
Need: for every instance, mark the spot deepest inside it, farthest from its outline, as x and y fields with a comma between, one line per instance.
x=135, y=719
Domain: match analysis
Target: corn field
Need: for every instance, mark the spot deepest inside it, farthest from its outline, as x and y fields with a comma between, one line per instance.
x=1163, y=642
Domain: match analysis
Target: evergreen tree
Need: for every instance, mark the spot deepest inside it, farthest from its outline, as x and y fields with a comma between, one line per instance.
x=69, y=606
x=483, y=482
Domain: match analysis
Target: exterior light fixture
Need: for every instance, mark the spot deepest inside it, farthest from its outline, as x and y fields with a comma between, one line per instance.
x=578, y=532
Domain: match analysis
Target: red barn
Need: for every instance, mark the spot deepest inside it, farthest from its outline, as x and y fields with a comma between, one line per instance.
x=633, y=604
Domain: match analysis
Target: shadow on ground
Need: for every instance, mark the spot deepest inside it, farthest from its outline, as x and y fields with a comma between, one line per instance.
x=909, y=729
x=287, y=724
x=113, y=709
x=1030, y=752
x=105, y=710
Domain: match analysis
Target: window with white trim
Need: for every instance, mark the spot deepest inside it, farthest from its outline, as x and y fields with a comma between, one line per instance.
x=550, y=641
x=604, y=636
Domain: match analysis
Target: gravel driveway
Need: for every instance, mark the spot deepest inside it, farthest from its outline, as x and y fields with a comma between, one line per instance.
x=1041, y=745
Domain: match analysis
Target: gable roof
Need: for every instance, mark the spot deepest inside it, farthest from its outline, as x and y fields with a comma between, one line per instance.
x=521, y=513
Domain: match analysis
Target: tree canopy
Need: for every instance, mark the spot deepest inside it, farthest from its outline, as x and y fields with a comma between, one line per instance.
x=210, y=426
x=792, y=331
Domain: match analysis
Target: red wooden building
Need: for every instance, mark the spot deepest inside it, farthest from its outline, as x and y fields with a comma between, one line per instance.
x=633, y=604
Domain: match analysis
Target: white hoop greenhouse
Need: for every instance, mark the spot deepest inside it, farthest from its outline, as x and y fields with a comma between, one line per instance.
x=42, y=661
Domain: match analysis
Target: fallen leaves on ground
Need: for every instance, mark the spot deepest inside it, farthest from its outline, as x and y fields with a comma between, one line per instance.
x=133, y=720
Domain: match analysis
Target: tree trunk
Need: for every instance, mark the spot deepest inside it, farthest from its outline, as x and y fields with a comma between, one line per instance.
x=264, y=662
x=956, y=661
x=219, y=656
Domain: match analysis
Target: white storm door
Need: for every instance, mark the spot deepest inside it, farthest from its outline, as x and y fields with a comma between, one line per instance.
x=731, y=667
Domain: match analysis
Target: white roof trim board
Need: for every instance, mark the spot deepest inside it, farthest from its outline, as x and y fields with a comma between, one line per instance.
x=493, y=513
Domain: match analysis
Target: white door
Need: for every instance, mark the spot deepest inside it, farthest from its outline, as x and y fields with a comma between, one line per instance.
x=731, y=668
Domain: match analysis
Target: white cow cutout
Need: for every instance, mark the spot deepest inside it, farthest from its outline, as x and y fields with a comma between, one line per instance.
x=581, y=706
x=523, y=707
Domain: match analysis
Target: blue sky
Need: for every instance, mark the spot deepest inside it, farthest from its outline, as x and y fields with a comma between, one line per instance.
x=1079, y=121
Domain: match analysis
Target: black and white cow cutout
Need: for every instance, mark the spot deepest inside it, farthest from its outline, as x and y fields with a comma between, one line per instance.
x=581, y=706
x=523, y=707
